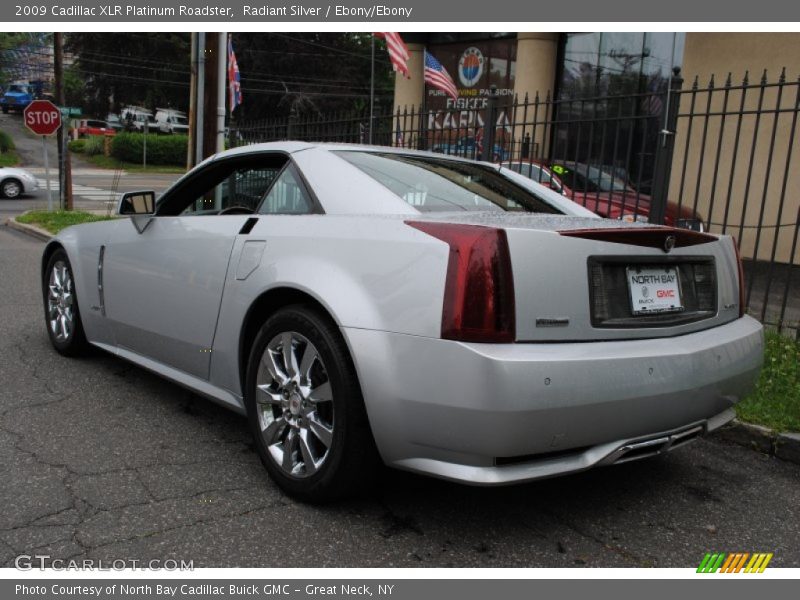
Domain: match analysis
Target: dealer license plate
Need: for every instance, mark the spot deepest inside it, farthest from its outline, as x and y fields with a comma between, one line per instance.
x=654, y=290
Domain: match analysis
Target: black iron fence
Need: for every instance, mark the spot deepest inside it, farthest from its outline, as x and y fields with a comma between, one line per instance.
x=719, y=158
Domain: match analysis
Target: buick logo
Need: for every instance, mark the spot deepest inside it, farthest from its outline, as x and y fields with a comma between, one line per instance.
x=645, y=291
x=669, y=243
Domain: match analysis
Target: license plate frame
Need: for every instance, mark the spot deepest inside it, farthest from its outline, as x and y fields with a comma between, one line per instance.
x=654, y=289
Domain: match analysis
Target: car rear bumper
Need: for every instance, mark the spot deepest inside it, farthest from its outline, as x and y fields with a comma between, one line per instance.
x=491, y=414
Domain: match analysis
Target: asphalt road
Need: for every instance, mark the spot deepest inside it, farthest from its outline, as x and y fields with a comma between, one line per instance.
x=101, y=459
x=93, y=188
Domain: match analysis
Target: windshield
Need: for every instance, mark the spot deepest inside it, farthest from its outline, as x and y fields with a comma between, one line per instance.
x=584, y=178
x=436, y=185
x=18, y=89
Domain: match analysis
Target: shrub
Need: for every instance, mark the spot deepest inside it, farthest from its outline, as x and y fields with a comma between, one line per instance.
x=94, y=144
x=6, y=142
x=77, y=146
x=161, y=150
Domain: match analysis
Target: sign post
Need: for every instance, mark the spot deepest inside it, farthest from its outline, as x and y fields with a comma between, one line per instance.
x=43, y=118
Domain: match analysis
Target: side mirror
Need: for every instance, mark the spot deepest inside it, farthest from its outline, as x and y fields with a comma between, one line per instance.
x=137, y=203
x=140, y=206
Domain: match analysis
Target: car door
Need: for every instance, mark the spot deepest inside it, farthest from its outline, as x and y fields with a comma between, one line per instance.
x=163, y=286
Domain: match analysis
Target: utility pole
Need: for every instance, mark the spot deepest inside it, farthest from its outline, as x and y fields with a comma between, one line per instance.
x=199, y=110
x=190, y=162
x=209, y=92
x=222, y=71
x=65, y=171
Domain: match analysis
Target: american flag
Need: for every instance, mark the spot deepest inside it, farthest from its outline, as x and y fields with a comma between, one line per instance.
x=437, y=76
x=234, y=81
x=398, y=51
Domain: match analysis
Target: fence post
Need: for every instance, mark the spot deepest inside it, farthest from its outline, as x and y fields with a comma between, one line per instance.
x=489, y=125
x=662, y=169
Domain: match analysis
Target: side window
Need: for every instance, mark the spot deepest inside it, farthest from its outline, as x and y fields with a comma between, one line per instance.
x=287, y=196
x=242, y=188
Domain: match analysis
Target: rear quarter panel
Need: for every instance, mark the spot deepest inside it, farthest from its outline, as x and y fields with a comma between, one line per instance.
x=369, y=272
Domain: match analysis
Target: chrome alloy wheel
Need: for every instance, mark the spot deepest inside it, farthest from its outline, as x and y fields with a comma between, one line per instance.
x=11, y=189
x=295, y=404
x=60, y=302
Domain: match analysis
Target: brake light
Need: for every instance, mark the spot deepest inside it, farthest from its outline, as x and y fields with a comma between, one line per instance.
x=741, y=277
x=479, y=288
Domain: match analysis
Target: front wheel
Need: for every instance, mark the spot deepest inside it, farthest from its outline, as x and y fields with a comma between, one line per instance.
x=11, y=189
x=61, y=312
x=305, y=408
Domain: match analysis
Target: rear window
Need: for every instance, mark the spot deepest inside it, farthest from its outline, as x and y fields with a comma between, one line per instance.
x=99, y=124
x=437, y=185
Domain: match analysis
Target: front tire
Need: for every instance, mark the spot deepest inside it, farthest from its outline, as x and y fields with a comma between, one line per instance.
x=61, y=311
x=305, y=408
x=11, y=189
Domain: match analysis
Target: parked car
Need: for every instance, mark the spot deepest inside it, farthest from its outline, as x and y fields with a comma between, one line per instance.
x=84, y=127
x=172, y=121
x=114, y=122
x=16, y=97
x=435, y=313
x=603, y=192
x=15, y=181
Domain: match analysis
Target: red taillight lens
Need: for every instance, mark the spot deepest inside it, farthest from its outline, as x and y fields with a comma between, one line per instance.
x=741, y=277
x=479, y=290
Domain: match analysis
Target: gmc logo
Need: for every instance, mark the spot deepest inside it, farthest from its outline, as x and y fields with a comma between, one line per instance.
x=665, y=293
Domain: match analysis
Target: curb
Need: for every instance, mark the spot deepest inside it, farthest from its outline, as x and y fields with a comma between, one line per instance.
x=785, y=446
x=31, y=230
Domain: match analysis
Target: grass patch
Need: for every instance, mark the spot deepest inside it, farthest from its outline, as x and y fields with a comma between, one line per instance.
x=775, y=402
x=8, y=153
x=57, y=220
x=109, y=162
x=9, y=159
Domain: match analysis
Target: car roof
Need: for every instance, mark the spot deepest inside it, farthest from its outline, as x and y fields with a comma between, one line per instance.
x=292, y=147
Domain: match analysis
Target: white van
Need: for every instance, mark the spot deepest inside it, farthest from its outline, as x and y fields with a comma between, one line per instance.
x=172, y=121
x=138, y=117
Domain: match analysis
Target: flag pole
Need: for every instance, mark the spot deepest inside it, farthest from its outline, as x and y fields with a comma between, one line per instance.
x=372, y=88
x=423, y=125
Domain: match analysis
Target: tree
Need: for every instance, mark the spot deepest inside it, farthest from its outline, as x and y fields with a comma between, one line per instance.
x=310, y=73
x=147, y=69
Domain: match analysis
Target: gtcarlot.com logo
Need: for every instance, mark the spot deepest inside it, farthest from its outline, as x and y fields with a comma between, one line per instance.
x=734, y=562
x=27, y=562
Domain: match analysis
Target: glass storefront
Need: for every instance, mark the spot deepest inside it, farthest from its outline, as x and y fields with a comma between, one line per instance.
x=607, y=63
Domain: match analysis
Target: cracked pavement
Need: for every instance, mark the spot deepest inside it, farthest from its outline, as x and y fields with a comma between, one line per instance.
x=101, y=459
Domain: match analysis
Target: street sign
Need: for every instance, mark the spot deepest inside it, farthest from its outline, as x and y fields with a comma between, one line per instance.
x=42, y=117
x=71, y=111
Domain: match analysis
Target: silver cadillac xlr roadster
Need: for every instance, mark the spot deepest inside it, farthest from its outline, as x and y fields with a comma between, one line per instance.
x=364, y=305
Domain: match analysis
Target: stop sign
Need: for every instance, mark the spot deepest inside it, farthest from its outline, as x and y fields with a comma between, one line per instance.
x=42, y=117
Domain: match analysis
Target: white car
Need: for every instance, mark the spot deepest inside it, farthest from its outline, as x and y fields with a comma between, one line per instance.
x=14, y=182
x=444, y=316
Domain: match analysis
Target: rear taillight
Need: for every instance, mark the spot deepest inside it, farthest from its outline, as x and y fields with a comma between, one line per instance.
x=479, y=290
x=741, y=277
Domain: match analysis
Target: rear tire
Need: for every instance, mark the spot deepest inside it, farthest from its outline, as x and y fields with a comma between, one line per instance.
x=61, y=312
x=306, y=409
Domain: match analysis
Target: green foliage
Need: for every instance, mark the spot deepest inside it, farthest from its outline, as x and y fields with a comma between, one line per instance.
x=6, y=142
x=77, y=146
x=74, y=89
x=775, y=402
x=161, y=150
x=94, y=144
x=149, y=69
x=57, y=220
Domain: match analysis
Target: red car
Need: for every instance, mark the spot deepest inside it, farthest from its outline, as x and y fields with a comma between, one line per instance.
x=602, y=192
x=86, y=127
